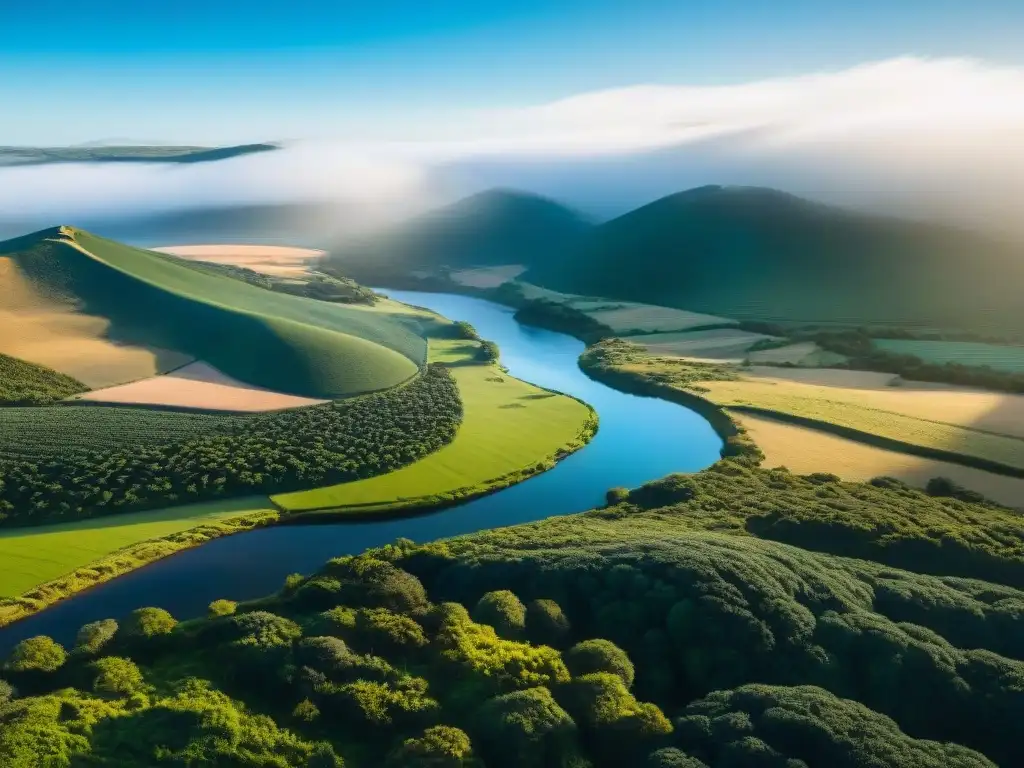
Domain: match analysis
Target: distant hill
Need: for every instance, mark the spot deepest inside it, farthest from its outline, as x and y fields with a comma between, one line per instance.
x=755, y=253
x=125, y=154
x=63, y=282
x=494, y=227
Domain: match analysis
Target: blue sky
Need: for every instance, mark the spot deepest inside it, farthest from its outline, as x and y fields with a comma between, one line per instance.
x=207, y=71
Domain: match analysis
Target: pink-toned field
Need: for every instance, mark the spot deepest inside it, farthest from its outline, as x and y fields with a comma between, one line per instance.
x=200, y=386
x=282, y=261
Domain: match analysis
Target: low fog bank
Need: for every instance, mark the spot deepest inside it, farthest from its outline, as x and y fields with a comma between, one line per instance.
x=939, y=139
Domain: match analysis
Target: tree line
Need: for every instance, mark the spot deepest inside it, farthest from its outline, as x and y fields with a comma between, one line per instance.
x=269, y=453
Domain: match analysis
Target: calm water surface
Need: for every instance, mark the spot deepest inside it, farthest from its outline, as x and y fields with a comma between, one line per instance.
x=639, y=439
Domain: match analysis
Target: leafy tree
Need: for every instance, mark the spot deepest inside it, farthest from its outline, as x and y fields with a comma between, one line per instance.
x=545, y=622
x=599, y=656
x=7, y=692
x=525, y=728
x=116, y=677
x=149, y=622
x=503, y=611
x=36, y=654
x=92, y=637
x=222, y=608
x=381, y=629
x=670, y=757
x=440, y=746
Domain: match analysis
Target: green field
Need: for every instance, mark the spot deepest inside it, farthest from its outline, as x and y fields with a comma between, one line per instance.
x=995, y=356
x=48, y=431
x=282, y=342
x=508, y=427
x=32, y=556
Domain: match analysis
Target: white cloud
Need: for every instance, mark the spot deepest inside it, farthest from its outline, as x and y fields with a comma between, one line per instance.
x=927, y=136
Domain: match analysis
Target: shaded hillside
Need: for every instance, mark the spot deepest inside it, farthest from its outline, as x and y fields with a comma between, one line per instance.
x=281, y=342
x=490, y=228
x=755, y=253
x=126, y=154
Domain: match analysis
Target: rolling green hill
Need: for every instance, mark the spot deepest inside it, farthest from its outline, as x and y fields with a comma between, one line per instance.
x=278, y=341
x=490, y=228
x=754, y=253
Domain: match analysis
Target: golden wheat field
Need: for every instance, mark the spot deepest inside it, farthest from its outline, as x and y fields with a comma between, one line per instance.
x=804, y=451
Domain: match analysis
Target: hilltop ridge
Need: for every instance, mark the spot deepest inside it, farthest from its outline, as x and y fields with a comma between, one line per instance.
x=62, y=276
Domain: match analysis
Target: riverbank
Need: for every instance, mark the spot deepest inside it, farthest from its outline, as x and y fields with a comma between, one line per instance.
x=511, y=431
x=884, y=442
x=64, y=559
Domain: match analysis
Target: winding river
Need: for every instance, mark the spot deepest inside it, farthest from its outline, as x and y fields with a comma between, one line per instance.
x=639, y=439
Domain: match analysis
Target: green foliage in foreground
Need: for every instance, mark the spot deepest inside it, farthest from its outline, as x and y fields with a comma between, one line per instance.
x=25, y=383
x=689, y=638
x=273, y=452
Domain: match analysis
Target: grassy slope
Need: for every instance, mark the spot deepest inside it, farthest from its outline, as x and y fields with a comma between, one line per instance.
x=31, y=556
x=22, y=382
x=760, y=254
x=281, y=342
x=508, y=426
x=1000, y=358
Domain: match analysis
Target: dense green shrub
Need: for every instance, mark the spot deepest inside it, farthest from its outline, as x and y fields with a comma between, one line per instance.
x=545, y=623
x=670, y=757
x=36, y=654
x=7, y=692
x=384, y=630
x=221, y=608
x=503, y=611
x=148, y=622
x=478, y=653
x=92, y=637
x=599, y=656
x=116, y=677
x=439, y=747
x=525, y=728
x=760, y=725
